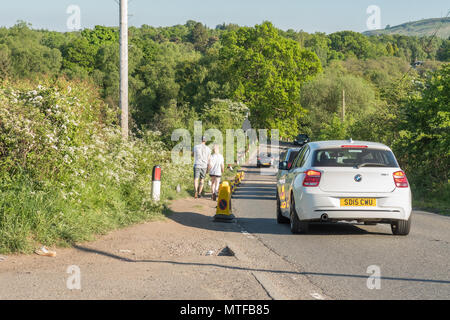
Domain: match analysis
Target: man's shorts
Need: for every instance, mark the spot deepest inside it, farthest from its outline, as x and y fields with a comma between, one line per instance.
x=199, y=173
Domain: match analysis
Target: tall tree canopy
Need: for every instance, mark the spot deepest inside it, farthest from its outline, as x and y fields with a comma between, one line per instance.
x=266, y=71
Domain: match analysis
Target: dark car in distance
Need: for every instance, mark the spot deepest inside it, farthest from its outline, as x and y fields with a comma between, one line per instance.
x=301, y=140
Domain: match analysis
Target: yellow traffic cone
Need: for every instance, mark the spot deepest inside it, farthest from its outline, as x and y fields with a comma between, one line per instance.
x=224, y=211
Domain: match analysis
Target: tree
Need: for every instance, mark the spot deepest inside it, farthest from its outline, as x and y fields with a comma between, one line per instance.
x=322, y=97
x=172, y=117
x=158, y=72
x=224, y=114
x=266, y=72
x=101, y=35
x=390, y=49
x=443, y=53
x=79, y=53
x=424, y=143
x=351, y=44
x=199, y=37
x=319, y=43
x=29, y=58
x=5, y=61
x=107, y=72
x=23, y=55
x=336, y=129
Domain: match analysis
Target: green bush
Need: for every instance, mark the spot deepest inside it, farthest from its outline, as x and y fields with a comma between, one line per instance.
x=423, y=147
x=66, y=173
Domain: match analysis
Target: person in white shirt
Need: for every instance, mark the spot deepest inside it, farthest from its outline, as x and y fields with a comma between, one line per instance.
x=201, y=159
x=216, y=169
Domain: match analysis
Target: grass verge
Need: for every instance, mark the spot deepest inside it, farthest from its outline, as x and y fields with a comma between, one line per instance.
x=437, y=201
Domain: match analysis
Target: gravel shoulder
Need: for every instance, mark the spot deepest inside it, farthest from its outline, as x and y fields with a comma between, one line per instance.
x=186, y=256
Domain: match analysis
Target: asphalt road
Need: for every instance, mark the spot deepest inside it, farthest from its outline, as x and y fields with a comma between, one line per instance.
x=336, y=257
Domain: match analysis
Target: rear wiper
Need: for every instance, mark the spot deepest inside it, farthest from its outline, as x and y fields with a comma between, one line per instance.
x=370, y=164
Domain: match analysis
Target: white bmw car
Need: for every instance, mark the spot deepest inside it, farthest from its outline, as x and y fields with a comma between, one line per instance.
x=334, y=181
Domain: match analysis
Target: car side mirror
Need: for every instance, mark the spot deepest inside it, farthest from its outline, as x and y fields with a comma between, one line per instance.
x=283, y=165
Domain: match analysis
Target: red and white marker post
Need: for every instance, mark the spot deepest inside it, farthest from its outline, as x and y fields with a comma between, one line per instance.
x=156, y=184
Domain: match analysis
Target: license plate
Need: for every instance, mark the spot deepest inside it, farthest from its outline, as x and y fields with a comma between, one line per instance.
x=358, y=202
x=266, y=164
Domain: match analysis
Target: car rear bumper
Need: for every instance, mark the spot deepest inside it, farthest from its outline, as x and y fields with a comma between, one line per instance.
x=393, y=206
x=359, y=215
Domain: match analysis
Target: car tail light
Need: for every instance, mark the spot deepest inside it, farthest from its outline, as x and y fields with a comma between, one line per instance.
x=400, y=179
x=312, y=178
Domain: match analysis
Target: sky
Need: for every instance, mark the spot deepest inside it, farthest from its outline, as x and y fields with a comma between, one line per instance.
x=309, y=15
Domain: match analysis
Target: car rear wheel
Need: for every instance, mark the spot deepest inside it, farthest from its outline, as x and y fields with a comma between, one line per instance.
x=402, y=227
x=280, y=218
x=297, y=226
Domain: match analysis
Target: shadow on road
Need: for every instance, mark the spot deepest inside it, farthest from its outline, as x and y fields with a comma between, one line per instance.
x=214, y=265
x=263, y=187
x=268, y=226
x=250, y=196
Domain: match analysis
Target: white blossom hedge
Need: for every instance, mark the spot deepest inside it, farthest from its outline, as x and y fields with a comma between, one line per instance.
x=66, y=175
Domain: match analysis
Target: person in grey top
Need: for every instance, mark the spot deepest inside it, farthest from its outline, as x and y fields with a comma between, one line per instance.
x=202, y=154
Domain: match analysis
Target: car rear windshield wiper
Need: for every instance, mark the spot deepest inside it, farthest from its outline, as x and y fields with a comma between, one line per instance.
x=370, y=164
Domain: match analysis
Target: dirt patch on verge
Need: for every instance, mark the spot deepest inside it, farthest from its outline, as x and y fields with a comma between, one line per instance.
x=185, y=256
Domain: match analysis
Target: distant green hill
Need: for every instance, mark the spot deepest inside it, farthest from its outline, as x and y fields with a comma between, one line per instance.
x=426, y=27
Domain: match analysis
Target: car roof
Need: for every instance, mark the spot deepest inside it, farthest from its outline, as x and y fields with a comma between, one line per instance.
x=294, y=150
x=339, y=143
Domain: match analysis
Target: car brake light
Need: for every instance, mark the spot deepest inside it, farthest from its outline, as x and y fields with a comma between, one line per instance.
x=354, y=147
x=401, y=181
x=312, y=178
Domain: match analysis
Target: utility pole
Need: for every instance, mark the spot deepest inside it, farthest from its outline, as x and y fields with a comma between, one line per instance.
x=343, y=105
x=124, y=67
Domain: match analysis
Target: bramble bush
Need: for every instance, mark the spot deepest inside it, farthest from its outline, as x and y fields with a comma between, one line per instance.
x=65, y=172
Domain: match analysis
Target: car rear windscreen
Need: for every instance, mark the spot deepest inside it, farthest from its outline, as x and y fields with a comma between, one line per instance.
x=348, y=157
